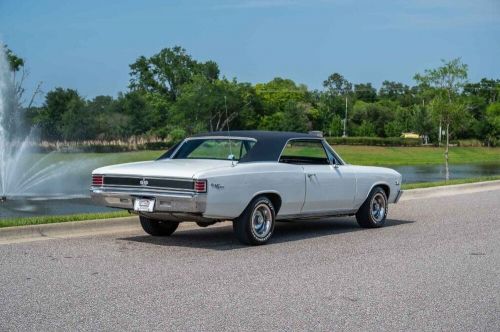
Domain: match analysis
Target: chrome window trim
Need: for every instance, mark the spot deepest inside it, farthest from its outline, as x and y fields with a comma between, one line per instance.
x=302, y=139
x=335, y=154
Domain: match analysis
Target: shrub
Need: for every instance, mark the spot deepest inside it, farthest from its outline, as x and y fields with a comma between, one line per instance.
x=469, y=142
x=177, y=134
x=155, y=146
x=387, y=141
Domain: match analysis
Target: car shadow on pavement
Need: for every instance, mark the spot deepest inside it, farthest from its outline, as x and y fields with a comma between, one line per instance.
x=222, y=238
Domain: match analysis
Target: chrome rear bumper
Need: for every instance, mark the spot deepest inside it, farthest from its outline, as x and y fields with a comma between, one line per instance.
x=165, y=201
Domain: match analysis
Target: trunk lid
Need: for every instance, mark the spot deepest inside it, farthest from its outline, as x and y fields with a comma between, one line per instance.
x=167, y=168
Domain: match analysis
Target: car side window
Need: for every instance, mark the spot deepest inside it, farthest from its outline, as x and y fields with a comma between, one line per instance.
x=304, y=152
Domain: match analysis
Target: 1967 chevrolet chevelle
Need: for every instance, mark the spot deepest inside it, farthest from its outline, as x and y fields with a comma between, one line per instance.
x=250, y=177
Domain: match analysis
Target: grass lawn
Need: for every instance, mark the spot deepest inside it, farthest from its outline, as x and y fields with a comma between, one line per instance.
x=24, y=221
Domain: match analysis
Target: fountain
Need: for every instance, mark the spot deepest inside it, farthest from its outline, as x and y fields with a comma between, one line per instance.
x=26, y=174
x=34, y=183
x=19, y=168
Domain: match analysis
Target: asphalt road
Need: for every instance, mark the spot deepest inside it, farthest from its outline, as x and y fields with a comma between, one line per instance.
x=436, y=266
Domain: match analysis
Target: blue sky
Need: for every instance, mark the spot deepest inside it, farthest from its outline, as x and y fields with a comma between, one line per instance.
x=88, y=45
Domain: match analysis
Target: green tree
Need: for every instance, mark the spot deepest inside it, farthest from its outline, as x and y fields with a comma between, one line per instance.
x=365, y=92
x=277, y=94
x=339, y=92
x=365, y=129
x=215, y=105
x=136, y=106
x=15, y=62
x=493, y=118
x=295, y=117
x=423, y=120
x=335, y=126
x=166, y=72
x=446, y=82
x=397, y=91
x=377, y=114
x=76, y=123
x=337, y=85
x=57, y=102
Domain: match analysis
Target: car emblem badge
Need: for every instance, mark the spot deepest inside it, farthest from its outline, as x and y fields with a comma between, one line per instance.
x=217, y=186
x=144, y=182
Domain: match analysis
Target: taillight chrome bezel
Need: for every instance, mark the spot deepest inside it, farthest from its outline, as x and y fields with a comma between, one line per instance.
x=200, y=186
x=97, y=180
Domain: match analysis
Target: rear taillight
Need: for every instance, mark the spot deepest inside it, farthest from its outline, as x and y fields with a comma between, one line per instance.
x=97, y=180
x=200, y=186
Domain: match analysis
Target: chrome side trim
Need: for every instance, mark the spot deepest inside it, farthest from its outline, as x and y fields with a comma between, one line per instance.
x=315, y=215
x=142, y=176
x=400, y=193
x=147, y=187
x=138, y=188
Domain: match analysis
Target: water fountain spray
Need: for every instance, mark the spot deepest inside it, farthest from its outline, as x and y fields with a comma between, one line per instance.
x=26, y=174
x=9, y=117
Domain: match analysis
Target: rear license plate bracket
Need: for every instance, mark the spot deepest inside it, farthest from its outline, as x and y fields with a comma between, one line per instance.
x=144, y=205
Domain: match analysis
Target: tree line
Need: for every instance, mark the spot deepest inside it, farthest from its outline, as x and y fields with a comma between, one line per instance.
x=171, y=95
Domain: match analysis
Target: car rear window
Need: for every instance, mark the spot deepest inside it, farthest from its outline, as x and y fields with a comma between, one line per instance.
x=214, y=148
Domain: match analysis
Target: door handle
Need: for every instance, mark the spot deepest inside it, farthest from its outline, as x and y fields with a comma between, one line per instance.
x=310, y=175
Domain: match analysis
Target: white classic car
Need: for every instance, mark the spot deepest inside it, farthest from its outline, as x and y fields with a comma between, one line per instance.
x=250, y=177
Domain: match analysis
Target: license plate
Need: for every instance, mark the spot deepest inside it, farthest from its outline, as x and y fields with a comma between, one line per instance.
x=144, y=205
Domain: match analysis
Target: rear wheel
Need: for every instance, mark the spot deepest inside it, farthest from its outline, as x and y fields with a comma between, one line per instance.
x=255, y=226
x=157, y=227
x=373, y=212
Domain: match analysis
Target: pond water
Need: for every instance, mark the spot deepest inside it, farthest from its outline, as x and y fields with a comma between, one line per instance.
x=430, y=173
x=80, y=203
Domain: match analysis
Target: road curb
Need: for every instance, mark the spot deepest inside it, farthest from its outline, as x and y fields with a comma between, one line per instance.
x=114, y=225
x=68, y=229
x=455, y=189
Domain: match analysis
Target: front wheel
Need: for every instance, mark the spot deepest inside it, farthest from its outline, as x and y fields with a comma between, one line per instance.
x=255, y=226
x=158, y=228
x=373, y=212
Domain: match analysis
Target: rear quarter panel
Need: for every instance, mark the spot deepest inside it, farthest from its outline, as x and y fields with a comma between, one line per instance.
x=229, y=191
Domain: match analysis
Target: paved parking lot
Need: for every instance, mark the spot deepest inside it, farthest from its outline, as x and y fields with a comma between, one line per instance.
x=436, y=266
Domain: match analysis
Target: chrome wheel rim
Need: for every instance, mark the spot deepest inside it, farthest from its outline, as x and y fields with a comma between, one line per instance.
x=378, y=207
x=262, y=220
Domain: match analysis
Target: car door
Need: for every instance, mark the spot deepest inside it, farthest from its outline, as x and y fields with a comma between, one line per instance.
x=329, y=186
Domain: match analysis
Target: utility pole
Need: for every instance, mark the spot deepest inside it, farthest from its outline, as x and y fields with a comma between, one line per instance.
x=345, y=119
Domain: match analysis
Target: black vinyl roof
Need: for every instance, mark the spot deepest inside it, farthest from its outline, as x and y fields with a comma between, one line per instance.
x=269, y=143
